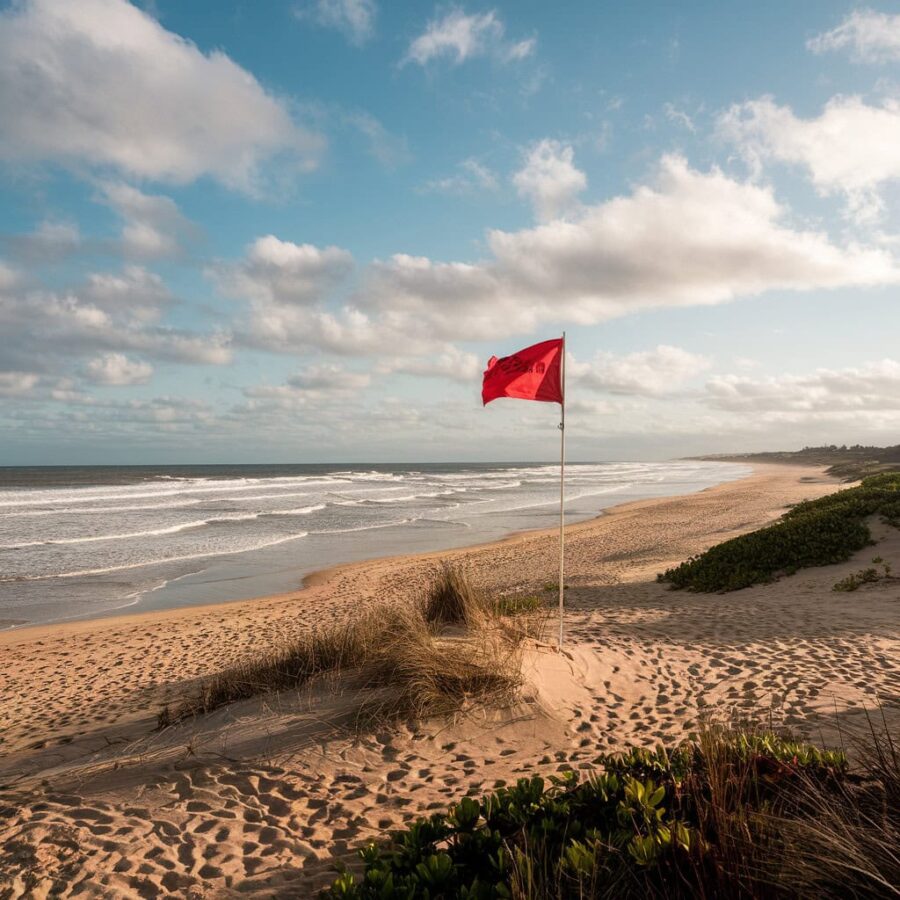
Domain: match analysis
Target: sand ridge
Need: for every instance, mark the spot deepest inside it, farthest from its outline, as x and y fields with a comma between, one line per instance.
x=260, y=798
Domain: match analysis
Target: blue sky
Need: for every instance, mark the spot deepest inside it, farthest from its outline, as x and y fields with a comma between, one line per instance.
x=295, y=231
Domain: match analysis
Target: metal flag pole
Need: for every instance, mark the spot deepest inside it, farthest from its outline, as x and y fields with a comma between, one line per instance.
x=562, y=481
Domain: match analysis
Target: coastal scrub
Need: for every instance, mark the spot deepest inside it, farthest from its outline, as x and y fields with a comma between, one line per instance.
x=813, y=533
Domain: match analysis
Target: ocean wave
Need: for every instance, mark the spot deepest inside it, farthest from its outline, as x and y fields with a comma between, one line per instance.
x=172, y=529
x=141, y=507
x=365, y=527
x=154, y=562
x=112, y=494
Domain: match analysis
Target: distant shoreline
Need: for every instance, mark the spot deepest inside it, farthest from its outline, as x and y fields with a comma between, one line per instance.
x=307, y=545
x=315, y=575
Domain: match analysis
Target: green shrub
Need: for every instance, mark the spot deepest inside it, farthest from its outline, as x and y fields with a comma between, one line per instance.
x=637, y=827
x=813, y=533
x=864, y=576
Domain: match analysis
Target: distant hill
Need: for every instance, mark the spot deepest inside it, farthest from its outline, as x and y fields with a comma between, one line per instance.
x=847, y=463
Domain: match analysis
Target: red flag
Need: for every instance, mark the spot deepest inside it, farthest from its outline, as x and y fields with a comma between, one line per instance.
x=530, y=374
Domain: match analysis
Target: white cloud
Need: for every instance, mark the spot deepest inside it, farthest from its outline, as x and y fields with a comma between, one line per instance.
x=46, y=331
x=679, y=117
x=874, y=387
x=100, y=82
x=313, y=386
x=8, y=277
x=688, y=239
x=329, y=377
x=50, y=241
x=284, y=273
x=649, y=372
x=459, y=37
x=850, y=149
x=135, y=292
x=153, y=224
x=872, y=36
x=471, y=177
x=549, y=179
x=389, y=149
x=452, y=363
x=355, y=19
x=17, y=384
x=117, y=369
x=287, y=286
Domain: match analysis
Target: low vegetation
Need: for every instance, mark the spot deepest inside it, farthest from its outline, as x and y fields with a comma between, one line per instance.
x=813, y=533
x=728, y=815
x=402, y=657
x=869, y=575
x=847, y=463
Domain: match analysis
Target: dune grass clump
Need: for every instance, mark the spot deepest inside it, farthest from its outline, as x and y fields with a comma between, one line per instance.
x=813, y=533
x=422, y=674
x=728, y=815
x=397, y=654
x=452, y=599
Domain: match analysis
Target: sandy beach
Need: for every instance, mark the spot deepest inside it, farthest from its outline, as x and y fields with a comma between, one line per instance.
x=260, y=798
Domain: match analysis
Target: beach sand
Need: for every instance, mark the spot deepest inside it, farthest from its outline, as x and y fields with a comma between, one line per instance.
x=260, y=798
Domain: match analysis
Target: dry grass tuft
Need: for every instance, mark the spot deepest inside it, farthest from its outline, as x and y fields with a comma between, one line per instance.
x=398, y=657
x=453, y=600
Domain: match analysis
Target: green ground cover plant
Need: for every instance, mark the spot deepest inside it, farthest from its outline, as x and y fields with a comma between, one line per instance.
x=727, y=815
x=869, y=575
x=813, y=533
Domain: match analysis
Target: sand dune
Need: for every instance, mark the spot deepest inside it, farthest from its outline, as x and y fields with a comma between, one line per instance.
x=261, y=797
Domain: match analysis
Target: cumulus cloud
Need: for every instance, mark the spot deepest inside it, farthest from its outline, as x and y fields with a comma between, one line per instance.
x=47, y=331
x=451, y=363
x=134, y=292
x=117, y=369
x=8, y=277
x=100, y=82
x=153, y=225
x=284, y=273
x=870, y=35
x=287, y=286
x=355, y=19
x=457, y=36
x=649, y=372
x=850, y=149
x=873, y=387
x=690, y=238
x=549, y=179
x=315, y=384
x=52, y=240
x=17, y=384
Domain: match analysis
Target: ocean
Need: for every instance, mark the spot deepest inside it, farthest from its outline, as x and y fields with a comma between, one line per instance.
x=82, y=542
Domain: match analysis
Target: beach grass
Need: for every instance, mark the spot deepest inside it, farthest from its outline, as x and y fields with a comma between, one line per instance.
x=813, y=533
x=454, y=647
x=727, y=814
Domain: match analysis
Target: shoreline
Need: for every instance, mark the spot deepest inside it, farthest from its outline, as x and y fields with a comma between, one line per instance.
x=264, y=795
x=70, y=686
x=222, y=575
x=319, y=578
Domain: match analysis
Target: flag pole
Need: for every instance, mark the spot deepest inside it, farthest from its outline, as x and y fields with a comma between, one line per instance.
x=562, y=481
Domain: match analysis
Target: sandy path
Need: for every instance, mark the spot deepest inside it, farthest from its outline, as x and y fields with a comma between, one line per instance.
x=259, y=798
